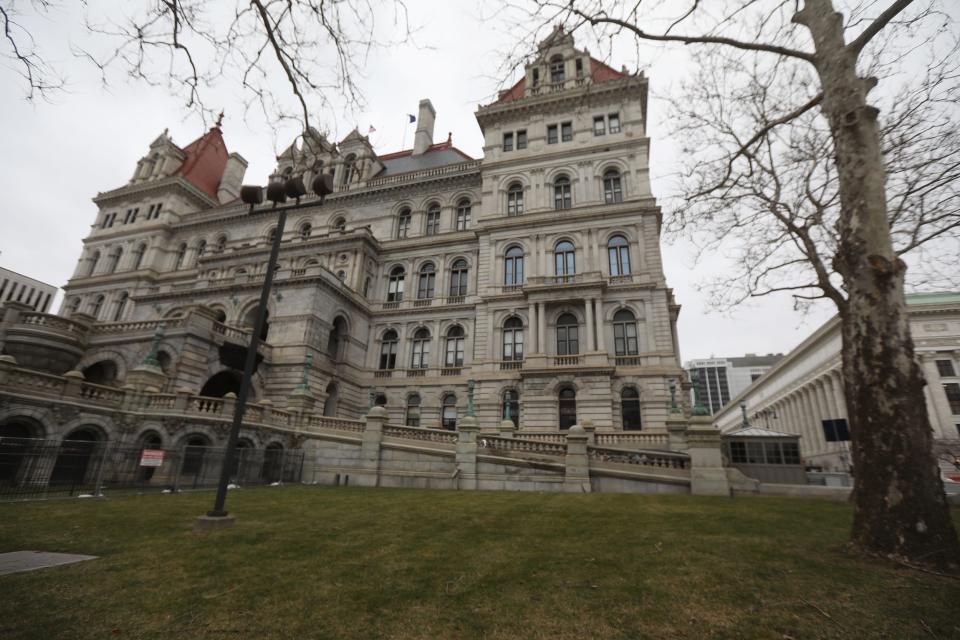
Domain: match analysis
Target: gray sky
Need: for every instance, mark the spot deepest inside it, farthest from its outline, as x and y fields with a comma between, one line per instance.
x=56, y=157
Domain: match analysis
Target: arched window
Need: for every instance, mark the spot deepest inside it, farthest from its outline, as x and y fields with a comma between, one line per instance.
x=121, y=305
x=395, y=287
x=463, y=215
x=433, y=219
x=568, y=340
x=618, y=250
x=510, y=409
x=181, y=254
x=454, y=356
x=403, y=223
x=138, y=254
x=449, y=416
x=97, y=306
x=561, y=193
x=458, y=278
x=338, y=336
x=388, y=350
x=413, y=410
x=420, y=357
x=201, y=248
x=74, y=305
x=624, y=333
x=557, y=71
x=271, y=235
x=426, y=281
x=342, y=276
x=564, y=258
x=567, y=407
x=93, y=263
x=513, y=339
x=515, y=199
x=349, y=169
x=513, y=266
x=221, y=243
x=366, y=287
x=305, y=230
x=630, y=409
x=340, y=224
x=115, y=259
x=612, y=191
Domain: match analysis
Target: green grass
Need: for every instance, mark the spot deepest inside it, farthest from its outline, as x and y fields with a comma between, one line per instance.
x=322, y=562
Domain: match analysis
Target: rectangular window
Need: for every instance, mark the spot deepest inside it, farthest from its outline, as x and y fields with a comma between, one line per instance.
x=598, y=126
x=836, y=430
x=945, y=369
x=579, y=67
x=521, y=139
x=508, y=142
x=566, y=131
x=952, y=390
x=614, y=122
x=774, y=455
x=536, y=77
x=791, y=452
x=128, y=218
x=552, y=134
x=133, y=218
x=755, y=453
x=738, y=452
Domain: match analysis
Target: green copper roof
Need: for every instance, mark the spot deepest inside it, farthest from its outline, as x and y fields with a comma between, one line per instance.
x=938, y=297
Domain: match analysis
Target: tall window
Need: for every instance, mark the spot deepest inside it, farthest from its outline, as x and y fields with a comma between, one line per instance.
x=349, y=169
x=413, y=410
x=952, y=389
x=339, y=224
x=564, y=258
x=566, y=131
x=181, y=254
x=121, y=304
x=614, y=119
x=388, y=350
x=521, y=139
x=115, y=259
x=395, y=286
x=201, y=248
x=618, y=250
x=612, y=191
x=624, y=333
x=513, y=339
x=426, y=281
x=557, y=73
x=511, y=402
x=561, y=193
x=97, y=306
x=568, y=407
x=630, y=409
x=138, y=255
x=221, y=243
x=458, y=278
x=579, y=65
x=306, y=229
x=463, y=215
x=552, y=137
x=420, y=359
x=433, y=220
x=515, y=199
x=74, y=305
x=454, y=357
x=403, y=223
x=513, y=266
x=945, y=369
x=599, y=126
x=93, y=262
x=568, y=335
x=449, y=415
x=508, y=141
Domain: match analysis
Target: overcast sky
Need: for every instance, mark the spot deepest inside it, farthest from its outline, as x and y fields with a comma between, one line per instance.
x=56, y=157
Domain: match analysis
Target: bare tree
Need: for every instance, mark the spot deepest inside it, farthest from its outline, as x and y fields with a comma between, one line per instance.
x=787, y=161
x=319, y=47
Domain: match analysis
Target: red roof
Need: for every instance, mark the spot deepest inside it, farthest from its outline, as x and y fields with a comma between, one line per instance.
x=206, y=160
x=440, y=146
x=599, y=71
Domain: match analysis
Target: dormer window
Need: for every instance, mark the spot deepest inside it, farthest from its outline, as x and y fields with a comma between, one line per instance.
x=349, y=169
x=557, y=74
x=579, y=67
x=536, y=78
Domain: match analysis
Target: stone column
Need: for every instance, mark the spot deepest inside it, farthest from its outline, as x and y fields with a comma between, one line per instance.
x=941, y=418
x=541, y=328
x=466, y=455
x=576, y=478
x=838, y=394
x=588, y=309
x=370, y=447
x=532, y=324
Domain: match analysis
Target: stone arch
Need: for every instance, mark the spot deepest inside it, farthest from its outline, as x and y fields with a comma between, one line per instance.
x=636, y=307
x=457, y=256
x=507, y=180
x=222, y=383
x=550, y=175
x=18, y=435
x=564, y=309
x=618, y=164
x=37, y=418
x=115, y=358
x=331, y=405
x=76, y=456
x=457, y=196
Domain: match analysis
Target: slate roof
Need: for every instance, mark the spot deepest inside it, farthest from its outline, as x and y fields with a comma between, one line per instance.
x=206, y=160
x=437, y=155
x=599, y=71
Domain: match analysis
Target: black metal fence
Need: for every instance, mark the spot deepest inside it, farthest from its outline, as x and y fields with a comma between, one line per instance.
x=35, y=469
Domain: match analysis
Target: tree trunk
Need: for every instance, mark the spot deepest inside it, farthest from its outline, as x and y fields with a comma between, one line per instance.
x=899, y=505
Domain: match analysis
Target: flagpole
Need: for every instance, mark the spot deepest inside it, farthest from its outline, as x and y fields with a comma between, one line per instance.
x=403, y=145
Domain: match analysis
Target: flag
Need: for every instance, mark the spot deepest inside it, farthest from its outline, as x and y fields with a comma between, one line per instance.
x=412, y=117
x=371, y=130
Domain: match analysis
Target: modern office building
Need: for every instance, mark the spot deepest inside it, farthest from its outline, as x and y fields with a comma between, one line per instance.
x=16, y=287
x=719, y=379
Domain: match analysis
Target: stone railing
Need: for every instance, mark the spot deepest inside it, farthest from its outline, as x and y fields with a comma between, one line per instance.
x=418, y=303
x=420, y=433
x=334, y=424
x=542, y=437
x=44, y=383
x=50, y=321
x=588, y=277
x=140, y=326
x=473, y=165
x=627, y=437
x=495, y=443
x=566, y=361
x=640, y=457
x=101, y=394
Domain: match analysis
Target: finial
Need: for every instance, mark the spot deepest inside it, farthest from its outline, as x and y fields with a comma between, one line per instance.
x=219, y=119
x=449, y=137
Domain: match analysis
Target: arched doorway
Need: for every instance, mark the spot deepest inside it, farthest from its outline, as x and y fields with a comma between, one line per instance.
x=333, y=400
x=16, y=440
x=272, y=470
x=223, y=383
x=103, y=372
x=73, y=465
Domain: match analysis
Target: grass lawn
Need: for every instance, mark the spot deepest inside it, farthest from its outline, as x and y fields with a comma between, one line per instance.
x=324, y=562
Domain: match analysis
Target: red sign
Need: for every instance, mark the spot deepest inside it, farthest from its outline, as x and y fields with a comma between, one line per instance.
x=151, y=458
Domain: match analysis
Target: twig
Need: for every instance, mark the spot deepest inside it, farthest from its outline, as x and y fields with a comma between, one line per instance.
x=927, y=628
x=822, y=612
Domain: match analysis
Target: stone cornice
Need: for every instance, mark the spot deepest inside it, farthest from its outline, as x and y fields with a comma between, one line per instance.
x=539, y=161
x=142, y=189
x=643, y=206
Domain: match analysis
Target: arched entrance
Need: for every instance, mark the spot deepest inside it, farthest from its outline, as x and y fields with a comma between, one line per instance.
x=333, y=400
x=272, y=470
x=75, y=457
x=102, y=372
x=223, y=383
x=16, y=439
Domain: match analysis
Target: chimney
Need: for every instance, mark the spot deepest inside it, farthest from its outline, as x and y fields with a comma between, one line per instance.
x=424, y=136
x=229, y=188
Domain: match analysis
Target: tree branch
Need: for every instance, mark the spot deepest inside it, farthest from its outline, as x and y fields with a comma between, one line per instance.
x=857, y=45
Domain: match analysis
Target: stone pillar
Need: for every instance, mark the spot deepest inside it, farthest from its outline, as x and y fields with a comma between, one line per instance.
x=466, y=456
x=541, y=328
x=532, y=323
x=591, y=339
x=576, y=477
x=937, y=407
x=841, y=402
x=507, y=429
x=370, y=447
x=676, y=432
x=707, y=475
x=74, y=384
x=182, y=400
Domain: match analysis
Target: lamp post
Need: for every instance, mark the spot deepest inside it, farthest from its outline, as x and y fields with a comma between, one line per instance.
x=277, y=193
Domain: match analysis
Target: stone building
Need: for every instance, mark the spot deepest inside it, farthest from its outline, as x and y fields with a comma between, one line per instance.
x=803, y=393
x=534, y=272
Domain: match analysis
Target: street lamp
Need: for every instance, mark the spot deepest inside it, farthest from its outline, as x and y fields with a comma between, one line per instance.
x=277, y=192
